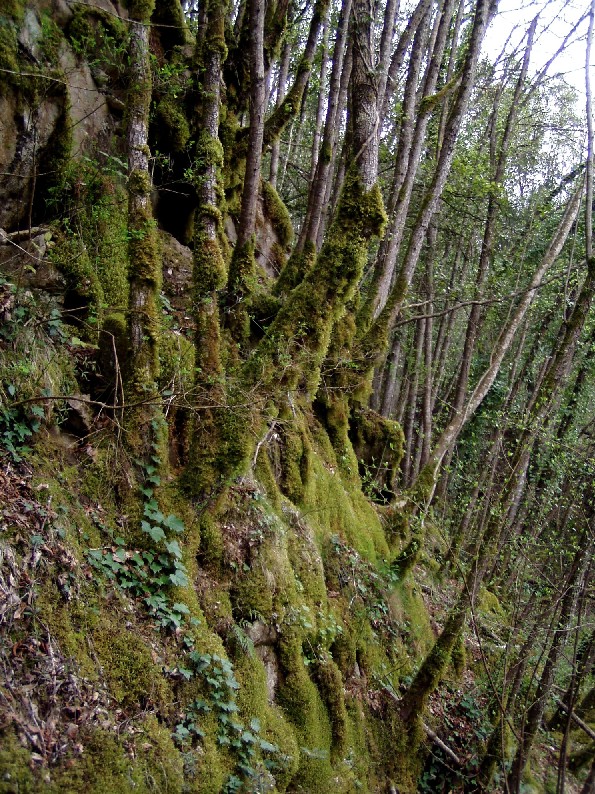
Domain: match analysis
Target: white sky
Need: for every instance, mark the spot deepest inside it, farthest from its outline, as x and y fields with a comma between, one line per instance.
x=557, y=17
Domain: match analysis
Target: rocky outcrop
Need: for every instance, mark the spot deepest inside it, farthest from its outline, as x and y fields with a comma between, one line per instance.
x=52, y=107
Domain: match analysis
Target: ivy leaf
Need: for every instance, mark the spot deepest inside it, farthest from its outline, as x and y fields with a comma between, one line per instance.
x=151, y=507
x=174, y=523
x=179, y=579
x=182, y=608
x=267, y=747
x=156, y=533
x=174, y=548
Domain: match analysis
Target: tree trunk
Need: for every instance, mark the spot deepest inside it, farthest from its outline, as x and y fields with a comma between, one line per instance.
x=145, y=263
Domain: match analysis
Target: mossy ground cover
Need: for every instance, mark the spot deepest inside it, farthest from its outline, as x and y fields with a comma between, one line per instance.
x=271, y=567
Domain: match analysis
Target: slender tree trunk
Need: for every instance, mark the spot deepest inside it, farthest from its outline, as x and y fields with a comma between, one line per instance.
x=398, y=56
x=427, y=402
x=209, y=267
x=242, y=266
x=537, y=708
x=386, y=314
x=476, y=312
x=323, y=100
x=319, y=183
x=452, y=431
x=250, y=190
x=292, y=102
x=281, y=90
x=145, y=262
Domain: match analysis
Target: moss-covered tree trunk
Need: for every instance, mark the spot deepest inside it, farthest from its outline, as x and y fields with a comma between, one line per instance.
x=209, y=266
x=145, y=263
x=242, y=274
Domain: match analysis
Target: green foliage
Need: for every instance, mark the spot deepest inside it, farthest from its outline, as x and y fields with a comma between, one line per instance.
x=34, y=362
x=149, y=574
x=90, y=197
x=244, y=743
x=100, y=38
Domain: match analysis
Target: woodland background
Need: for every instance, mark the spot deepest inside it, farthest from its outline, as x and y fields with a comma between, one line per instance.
x=296, y=420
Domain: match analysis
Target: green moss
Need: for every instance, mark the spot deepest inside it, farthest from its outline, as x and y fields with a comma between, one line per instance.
x=433, y=666
x=418, y=496
x=297, y=341
x=458, y=657
x=113, y=346
x=141, y=9
x=104, y=765
x=176, y=355
x=71, y=257
x=206, y=770
x=487, y=602
x=253, y=703
x=330, y=684
x=107, y=240
x=252, y=594
x=226, y=444
x=209, y=269
x=95, y=204
x=393, y=750
x=134, y=680
x=51, y=39
x=241, y=283
x=16, y=776
x=263, y=309
x=163, y=762
x=174, y=130
x=265, y=475
x=276, y=212
x=300, y=700
x=299, y=265
x=294, y=463
x=11, y=17
x=145, y=274
x=8, y=52
x=378, y=445
x=99, y=38
x=170, y=15
x=408, y=607
x=339, y=509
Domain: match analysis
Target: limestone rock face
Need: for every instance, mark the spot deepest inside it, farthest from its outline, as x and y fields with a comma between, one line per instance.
x=177, y=270
x=265, y=638
x=35, y=112
x=26, y=261
x=24, y=135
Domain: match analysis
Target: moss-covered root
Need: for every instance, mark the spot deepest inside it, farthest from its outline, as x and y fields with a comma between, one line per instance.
x=330, y=685
x=225, y=437
x=434, y=665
